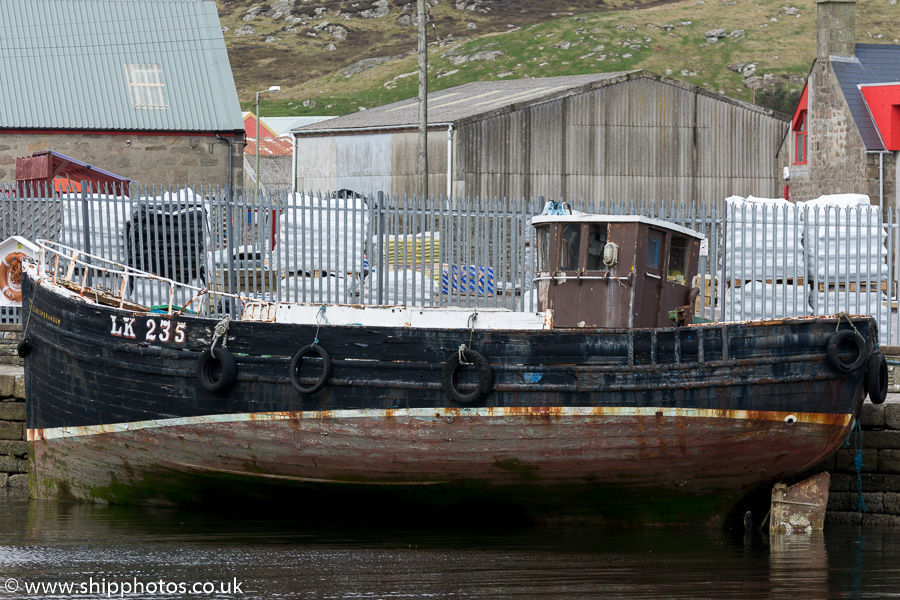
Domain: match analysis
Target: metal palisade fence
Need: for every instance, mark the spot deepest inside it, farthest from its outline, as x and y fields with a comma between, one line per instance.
x=760, y=261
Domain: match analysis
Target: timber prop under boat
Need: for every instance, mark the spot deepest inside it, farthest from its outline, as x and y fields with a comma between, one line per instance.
x=591, y=408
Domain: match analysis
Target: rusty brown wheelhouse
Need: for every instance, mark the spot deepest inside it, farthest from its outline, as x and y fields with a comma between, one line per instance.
x=614, y=270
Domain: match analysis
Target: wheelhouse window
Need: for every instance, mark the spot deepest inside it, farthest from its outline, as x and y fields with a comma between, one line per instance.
x=800, y=139
x=677, y=259
x=543, y=249
x=571, y=247
x=595, y=244
x=653, y=245
x=147, y=86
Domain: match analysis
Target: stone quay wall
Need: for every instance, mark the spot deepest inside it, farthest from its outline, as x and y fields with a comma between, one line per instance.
x=878, y=444
x=13, y=444
x=9, y=338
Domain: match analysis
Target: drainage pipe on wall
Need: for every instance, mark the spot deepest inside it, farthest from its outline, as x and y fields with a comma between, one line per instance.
x=449, y=162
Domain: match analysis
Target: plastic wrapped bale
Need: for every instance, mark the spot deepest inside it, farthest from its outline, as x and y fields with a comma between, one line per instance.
x=852, y=302
x=331, y=289
x=757, y=300
x=844, y=239
x=404, y=287
x=321, y=235
x=762, y=238
x=103, y=217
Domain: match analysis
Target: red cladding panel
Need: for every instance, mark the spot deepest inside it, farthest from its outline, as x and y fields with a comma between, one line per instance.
x=884, y=104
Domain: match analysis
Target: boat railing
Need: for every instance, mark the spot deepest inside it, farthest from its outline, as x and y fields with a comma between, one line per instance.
x=112, y=283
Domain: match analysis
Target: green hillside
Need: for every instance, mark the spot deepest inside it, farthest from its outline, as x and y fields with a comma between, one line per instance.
x=337, y=57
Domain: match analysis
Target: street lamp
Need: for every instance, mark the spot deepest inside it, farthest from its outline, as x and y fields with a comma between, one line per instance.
x=274, y=88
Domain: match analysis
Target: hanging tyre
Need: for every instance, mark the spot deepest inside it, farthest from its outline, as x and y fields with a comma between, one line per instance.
x=482, y=370
x=23, y=348
x=321, y=379
x=217, y=370
x=877, y=378
x=846, y=351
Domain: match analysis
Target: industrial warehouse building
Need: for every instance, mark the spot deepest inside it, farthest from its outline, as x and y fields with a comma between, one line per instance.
x=626, y=135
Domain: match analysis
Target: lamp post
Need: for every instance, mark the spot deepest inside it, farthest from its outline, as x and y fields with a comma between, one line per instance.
x=273, y=88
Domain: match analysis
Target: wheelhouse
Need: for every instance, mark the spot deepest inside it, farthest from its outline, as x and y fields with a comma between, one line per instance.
x=615, y=270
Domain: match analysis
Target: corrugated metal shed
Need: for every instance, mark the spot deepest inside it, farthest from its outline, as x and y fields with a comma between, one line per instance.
x=115, y=65
x=873, y=63
x=466, y=101
x=627, y=135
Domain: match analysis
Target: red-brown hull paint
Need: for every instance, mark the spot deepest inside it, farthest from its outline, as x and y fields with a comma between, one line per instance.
x=682, y=456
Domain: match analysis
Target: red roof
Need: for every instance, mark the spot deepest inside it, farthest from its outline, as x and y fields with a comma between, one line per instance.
x=883, y=101
x=280, y=146
x=42, y=168
x=250, y=127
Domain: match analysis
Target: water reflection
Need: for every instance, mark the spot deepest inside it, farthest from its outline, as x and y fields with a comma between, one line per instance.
x=293, y=556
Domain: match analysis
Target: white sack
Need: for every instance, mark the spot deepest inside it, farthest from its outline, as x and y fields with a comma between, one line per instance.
x=762, y=240
x=758, y=300
x=321, y=234
x=844, y=239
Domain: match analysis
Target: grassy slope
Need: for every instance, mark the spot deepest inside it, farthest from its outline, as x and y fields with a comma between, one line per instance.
x=537, y=38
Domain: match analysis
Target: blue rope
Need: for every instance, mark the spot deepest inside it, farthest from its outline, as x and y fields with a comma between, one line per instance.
x=858, y=463
x=321, y=314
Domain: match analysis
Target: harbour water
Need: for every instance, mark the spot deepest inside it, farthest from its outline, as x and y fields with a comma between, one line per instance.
x=56, y=550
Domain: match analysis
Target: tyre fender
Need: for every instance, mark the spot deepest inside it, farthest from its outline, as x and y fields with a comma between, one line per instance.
x=324, y=376
x=877, y=378
x=217, y=380
x=482, y=368
x=838, y=344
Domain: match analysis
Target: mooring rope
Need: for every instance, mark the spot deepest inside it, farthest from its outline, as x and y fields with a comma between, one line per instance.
x=844, y=315
x=221, y=331
x=858, y=464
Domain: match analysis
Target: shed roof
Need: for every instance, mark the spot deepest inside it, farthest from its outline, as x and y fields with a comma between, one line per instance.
x=115, y=65
x=873, y=63
x=269, y=146
x=474, y=100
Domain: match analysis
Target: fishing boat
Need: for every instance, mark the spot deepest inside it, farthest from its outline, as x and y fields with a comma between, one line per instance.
x=606, y=404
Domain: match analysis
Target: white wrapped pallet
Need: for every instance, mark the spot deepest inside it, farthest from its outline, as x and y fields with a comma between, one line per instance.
x=852, y=302
x=763, y=240
x=844, y=239
x=400, y=287
x=758, y=300
x=322, y=234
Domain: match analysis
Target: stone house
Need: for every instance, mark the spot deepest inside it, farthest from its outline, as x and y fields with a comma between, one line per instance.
x=845, y=131
x=139, y=88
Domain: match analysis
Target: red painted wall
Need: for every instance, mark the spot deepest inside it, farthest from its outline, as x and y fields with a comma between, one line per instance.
x=884, y=104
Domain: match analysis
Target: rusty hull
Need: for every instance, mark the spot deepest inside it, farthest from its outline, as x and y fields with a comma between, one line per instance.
x=654, y=468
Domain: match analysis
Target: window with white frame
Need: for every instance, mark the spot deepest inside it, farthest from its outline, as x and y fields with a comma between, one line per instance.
x=147, y=86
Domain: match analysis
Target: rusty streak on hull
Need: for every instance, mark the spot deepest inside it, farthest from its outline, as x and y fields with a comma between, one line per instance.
x=633, y=426
x=686, y=457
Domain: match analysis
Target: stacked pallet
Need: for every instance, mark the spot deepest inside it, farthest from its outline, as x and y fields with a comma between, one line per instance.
x=765, y=269
x=845, y=249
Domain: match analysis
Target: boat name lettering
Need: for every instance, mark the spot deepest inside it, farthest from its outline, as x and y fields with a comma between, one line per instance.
x=46, y=316
x=158, y=330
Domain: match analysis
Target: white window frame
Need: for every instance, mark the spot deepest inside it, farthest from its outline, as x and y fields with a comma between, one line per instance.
x=147, y=86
